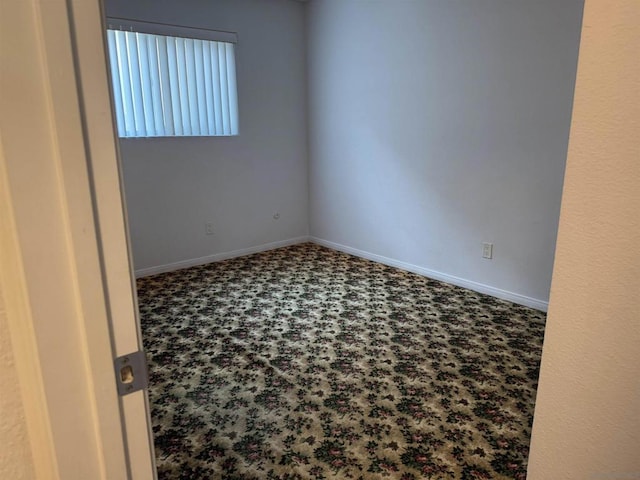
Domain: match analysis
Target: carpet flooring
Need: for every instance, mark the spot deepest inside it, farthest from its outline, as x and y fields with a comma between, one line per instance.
x=306, y=363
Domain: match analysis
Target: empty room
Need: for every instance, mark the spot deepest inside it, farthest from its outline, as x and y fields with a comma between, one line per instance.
x=347, y=276
x=324, y=239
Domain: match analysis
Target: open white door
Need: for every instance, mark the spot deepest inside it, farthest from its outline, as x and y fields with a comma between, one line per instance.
x=87, y=18
x=88, y=38
x=65, y=269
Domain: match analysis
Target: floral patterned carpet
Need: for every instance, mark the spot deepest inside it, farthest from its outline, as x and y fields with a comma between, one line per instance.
x=306, y=363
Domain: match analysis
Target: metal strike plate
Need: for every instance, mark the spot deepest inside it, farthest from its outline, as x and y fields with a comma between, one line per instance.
x=131, y=372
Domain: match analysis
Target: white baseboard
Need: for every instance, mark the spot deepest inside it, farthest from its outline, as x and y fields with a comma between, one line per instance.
x=460, y=282
x=170, y=267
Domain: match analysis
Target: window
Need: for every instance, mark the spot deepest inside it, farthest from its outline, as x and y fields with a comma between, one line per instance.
x=172, y=81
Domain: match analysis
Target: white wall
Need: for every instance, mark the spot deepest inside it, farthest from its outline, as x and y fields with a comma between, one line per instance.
x=438, y=125
x=587, y=418
x=174, y=185
x=18, y=464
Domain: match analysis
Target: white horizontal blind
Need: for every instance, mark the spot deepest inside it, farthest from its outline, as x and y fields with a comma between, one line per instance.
x=172, y=86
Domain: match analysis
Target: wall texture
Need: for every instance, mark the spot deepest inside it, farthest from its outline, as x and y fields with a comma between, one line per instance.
x=436, y=126
x=16, y=462
x=174, y=185
x=587, y=418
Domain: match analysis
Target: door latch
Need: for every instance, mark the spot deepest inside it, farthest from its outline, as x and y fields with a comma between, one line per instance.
x=131, y=372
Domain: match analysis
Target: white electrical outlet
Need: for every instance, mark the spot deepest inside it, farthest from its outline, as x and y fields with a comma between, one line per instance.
x=208, y=228
x=487, y=250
